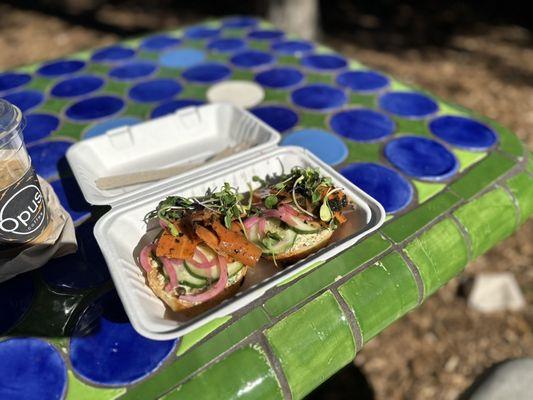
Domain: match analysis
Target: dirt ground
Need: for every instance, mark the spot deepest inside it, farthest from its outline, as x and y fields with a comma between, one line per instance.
x=436, y=351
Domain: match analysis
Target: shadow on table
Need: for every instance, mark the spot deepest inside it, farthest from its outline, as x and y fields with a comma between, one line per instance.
x=348, y=383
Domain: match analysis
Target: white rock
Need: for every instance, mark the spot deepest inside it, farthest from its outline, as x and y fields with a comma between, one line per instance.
x=493, y=292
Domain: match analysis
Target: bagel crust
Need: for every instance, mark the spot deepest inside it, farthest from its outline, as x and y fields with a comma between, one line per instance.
x=302, y=248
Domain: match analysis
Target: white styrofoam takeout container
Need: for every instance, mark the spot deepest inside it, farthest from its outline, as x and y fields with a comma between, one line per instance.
x=191, y=134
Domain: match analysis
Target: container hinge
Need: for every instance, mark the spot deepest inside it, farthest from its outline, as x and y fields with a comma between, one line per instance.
x=121, y=138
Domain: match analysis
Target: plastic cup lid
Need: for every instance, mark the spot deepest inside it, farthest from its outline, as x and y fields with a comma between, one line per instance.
x=10, y=120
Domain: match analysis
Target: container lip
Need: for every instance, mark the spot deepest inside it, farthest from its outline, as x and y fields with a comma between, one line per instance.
x=10, y=119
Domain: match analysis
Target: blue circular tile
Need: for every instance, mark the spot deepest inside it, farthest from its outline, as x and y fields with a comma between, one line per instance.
x=207, y=73
x=363, y=81
x=46, y=157
x=362, y=124
x=385, y=185
x=169, y=107
x=62, y=67
x=39, y=126
x=319, y=97
x=293, y=47
x=155, y=90
x=421, y=158
x=133, y=70
x=329, y=148
x=324, y=62
x=201, y=32
x=16, y=296
x=13, y=80
x=227, y=45
x=266, y=34
x=408, y=104
x=279, y=77
x=278, y=117
x=252, y=59
x=181, y=58
x=77, y=86
x=26, y=99
x=102, y=127
x=95, y=108
x=107, y=349
x=112, y=54
x=159, y=42
x=31, y=369
x=69, y=194
x=239, y=22
x=463, y=132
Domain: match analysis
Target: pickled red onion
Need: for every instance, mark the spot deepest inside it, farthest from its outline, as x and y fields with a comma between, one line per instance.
x=163, y=224
x=249, y=222
x=262, y=226
x=204, y=262
x=144, y=257
x=216, y=289
x=171, y=272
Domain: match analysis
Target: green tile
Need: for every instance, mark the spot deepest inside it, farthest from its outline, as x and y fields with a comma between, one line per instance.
x=233, y=32
x=218, y=57
x=244, y=374
x=30, y=69
x=439, y=253
x=120, y=88
x=300, y=273
x=195, y=44
x=263, y=45
x=363, y=100
x=400, y=86
x=482, y=175
x=380, y=294
x=54, y=106
x=148, y=55
x=309, y=119
x=165, y=72
x=359, y=151
x=468, y=158
x=288, y=60
x=243, y=75
x=140, y=110
x=39, y=83
x=427, y=190
x=521, y=186
x=508, y=141
x=70, y=130
x=488, y=219
x=326, y=274
x=320, y=78
x=190, y=339
x=404, y=226
x=413, y=126
x=194, y=91
x=78, y=390
x=277, y=96
x=312, y=344
x=450, y=109
x=530, y=163
x=100, y=69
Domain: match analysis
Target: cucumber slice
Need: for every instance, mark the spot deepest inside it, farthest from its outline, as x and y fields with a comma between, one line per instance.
x=289, y=236
x=185, y=277
x=301, y=226
x=234, y=267
x=203, y=273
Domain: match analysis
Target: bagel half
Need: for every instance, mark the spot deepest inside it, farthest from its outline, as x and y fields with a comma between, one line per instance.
x=304, y=245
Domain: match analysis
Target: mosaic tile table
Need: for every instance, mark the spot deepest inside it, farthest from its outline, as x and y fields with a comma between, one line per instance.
x=452, y=183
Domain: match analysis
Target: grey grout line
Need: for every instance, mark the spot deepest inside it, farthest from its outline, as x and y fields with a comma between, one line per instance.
x=515, y=203
x=276, y=366
x=352, y=320
x=416, y=275
x=465, y=235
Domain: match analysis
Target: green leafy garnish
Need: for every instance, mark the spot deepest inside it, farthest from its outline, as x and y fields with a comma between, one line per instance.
x=271, y=201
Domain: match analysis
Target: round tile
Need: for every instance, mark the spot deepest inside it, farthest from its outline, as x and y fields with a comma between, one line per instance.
x=201, y=32
x=26, y=99
x=408, y=104
x=465, y=133
x=363, y=81
x=239, y=22
x=39, y=126
x=421, y=158
x=31, y=369
x=280, y=77
x=155, y=90
x=319, y=97
x=159, y=42
x=47, y=156
x=102, y=127
x=324, y=62
x=13, y=80
x=239, y=93
x=252, y=59
x=133, y=70
x=362, y=124
x=95, y=108
x=69, y=194
x=227, y=45
x=169, y=107
x=207, y=73
x=329, y=148
x=278, y=117
x=108, y=351
x=77, y=86
x=62, y=67
x=16, y=296
x=181, y=58
x=385, y=185
x=266, y=34
x=112, y=54
x=293, y=47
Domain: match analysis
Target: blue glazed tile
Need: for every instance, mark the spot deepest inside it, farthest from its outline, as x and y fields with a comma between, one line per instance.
x=363, y=81
x=61, y=67
x=77, y=86
x=324, y=62
x=46, y=157
x=252, y=59
x=112, y=54
x=38, y=126
x=278, y=117
x=293, y=47
x=31, y=369
x=421, y=158
x=133, y=70
x=26, y=99
x=227, y=45
x=408, y=104
x=362, y=124
x=329, y=148
x=71, y=198
x=84, y=269
x=279, y=77
x=16, y=296
x=266, y=34
x=239, y=22
x=95, y=108
x=319, y=97
x=155, y=90
x=181, y=58
x=159, y=42
x=102, y=127
x=385, y=185
x=108, y=351
x=463, y=132
x=169, y=107
x=201, y=32
x=207, y=73
x=13, y=80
